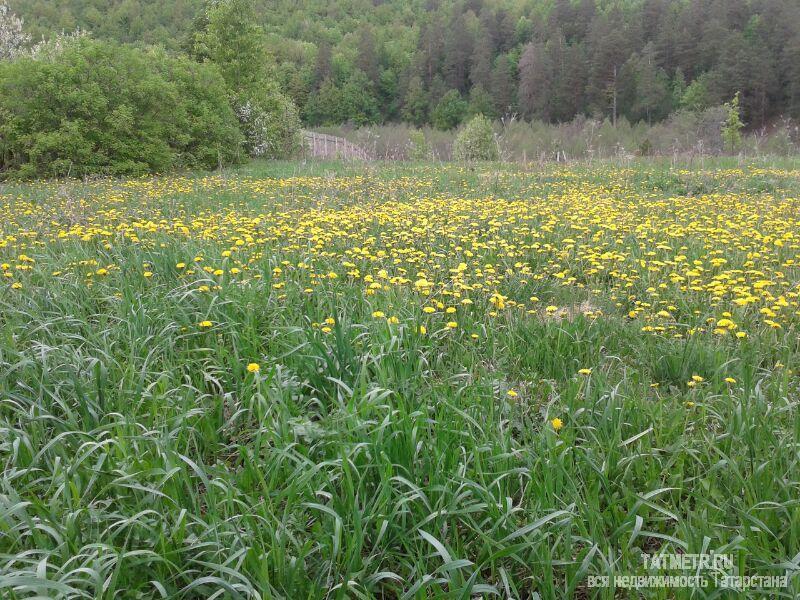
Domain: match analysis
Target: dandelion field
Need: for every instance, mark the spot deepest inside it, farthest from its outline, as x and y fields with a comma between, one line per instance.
x=398, y=382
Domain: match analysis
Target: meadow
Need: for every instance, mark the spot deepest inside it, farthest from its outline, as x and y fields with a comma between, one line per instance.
x=398, y=381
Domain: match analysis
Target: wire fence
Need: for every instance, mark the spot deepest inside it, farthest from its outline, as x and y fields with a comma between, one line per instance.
x=320, y=145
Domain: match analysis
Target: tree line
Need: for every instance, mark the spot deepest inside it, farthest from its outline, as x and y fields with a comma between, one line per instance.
x=439, y=61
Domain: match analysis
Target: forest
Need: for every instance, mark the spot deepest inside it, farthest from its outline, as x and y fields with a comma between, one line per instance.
x=437, y=62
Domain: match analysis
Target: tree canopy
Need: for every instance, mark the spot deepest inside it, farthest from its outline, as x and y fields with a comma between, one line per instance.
x=544, y=59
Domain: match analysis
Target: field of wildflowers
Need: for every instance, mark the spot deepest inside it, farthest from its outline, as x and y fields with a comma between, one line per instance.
x=397, y=382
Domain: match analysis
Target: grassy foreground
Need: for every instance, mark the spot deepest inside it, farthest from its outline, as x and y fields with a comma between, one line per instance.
x=398, y=382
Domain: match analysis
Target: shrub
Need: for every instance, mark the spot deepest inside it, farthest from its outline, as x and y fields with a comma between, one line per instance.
x=450, y=111
x=270, y=124
x=476, y=141
x=418, y=148
x=100, y=107
x=13, y=39
x=732, y=127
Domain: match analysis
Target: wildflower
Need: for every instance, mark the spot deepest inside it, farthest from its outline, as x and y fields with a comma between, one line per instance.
x=253, y=367
x=378, y=314
x=423, y=330
x=205, y=324
x=393, y=320
x=585, y=371
x=557, y=423
x=452, y=324
x=429, y=309
x=730, y=380
x=512, y=394
x=101, y=272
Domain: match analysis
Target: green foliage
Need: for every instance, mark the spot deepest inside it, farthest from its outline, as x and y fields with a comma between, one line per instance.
x=476, y=141
x=128, y=21
x=480, y=103
x=418, y=146
x=354, y=102
x=696, y=96
x=99, y=107
x=450, y=111
x=229, y=36
x=605, y=59
x=270, y=123
x=415, y=103
x=732, y=127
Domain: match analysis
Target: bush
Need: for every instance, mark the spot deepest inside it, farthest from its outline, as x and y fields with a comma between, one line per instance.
x=732, y=127
x=450, y=111
x=270, y=124
x=476, y=141
x=418, y=148
x=100, y=107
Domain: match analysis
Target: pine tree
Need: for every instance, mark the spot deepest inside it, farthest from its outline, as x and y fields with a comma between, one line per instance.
x=415, y=103
x=535, y=82
x=503, y=86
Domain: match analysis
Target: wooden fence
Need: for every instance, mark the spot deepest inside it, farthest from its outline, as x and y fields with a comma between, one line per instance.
x=320, y=145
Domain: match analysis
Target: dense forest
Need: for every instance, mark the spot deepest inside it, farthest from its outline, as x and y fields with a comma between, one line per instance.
x=438, y=61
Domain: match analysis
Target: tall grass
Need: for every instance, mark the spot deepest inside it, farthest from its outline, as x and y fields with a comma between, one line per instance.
x=142, y=459
x=685, y=135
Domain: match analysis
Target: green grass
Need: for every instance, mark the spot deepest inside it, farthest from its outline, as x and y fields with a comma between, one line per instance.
x=140, y=458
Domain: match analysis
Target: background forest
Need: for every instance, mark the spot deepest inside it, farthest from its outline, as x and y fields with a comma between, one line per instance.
x=438, y=61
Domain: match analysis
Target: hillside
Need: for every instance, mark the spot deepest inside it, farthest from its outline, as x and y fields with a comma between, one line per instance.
x=436, y=61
